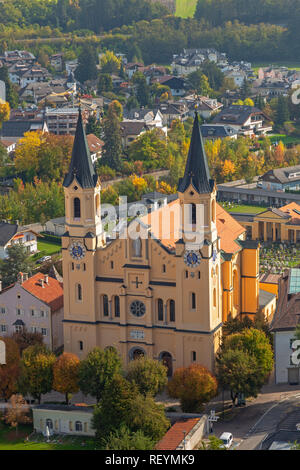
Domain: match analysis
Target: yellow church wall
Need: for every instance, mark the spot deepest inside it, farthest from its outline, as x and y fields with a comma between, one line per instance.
x=272, y=288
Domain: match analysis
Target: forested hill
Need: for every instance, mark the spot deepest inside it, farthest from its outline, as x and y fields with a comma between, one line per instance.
x=254, y=30
x=217, y=12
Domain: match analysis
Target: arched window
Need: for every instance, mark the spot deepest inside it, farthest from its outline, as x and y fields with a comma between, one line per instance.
x=117, y=306
x=79, y=292
x=193, y=300
x=105, y=305
x=78, y=426
x=213, y=210
x=194, y=214
x=98, y=205
x=137, y=247
x=172, y=310
x=163, y=268
x=236, y=292
x=49, y=423
x=160, y=310
x=77, y=212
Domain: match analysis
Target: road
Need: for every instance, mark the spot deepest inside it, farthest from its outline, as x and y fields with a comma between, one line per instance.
x=278, y=407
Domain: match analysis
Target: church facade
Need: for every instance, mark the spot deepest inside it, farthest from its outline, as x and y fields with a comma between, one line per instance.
x=158, y=294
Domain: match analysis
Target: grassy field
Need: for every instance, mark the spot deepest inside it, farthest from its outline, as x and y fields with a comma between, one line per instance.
x=243, y=209
x=290, y=65
x=285, y=139
x=185, y=8
x=9, y=441
x=48, y=248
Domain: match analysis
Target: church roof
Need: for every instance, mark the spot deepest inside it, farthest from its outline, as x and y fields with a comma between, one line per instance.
x=196, y=170
x=169, y=234
x=81, y=166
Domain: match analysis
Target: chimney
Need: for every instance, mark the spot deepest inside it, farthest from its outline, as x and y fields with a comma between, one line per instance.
x=42, y=282
x=46, y=279
x=25, y=277
x=21, y=278
x=0, y=286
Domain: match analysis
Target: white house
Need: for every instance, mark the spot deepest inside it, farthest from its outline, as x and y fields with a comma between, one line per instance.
x=13, y=234
x=62, y=419
x=283, y=326
x=34, y=304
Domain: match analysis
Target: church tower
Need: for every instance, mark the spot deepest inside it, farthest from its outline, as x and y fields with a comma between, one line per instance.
x=79, y=244
x=198, y=250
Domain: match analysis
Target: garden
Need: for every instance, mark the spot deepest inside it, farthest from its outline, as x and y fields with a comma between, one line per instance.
x=26, y=439
x=241, y=208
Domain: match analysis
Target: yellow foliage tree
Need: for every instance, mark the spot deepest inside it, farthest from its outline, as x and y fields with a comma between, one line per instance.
x=26, y=155
x=228, y=169
x=4, y=112
x=139, y=183
x=65, y=374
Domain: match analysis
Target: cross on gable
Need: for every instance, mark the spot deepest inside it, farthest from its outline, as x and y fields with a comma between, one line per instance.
x=137, y=282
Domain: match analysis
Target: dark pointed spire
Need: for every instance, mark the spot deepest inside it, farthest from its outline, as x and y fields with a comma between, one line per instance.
x=81, y=165
x=196, y=170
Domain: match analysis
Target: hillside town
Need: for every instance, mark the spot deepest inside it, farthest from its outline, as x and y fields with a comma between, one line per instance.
x=149, y=236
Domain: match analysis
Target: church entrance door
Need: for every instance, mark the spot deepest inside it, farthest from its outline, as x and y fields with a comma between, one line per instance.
x=167, y=361
x=137, y=353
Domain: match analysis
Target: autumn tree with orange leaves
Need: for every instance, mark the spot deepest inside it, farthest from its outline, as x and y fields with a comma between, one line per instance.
x=10, y=371
x=194, y=386
x=65, y=374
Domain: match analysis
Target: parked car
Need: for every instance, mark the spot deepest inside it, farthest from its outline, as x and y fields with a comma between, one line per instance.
x=227, y=439
x=43, y=259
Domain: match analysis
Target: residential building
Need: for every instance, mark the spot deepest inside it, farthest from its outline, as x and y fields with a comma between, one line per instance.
x=56, y=61
x=12, y=234
x=281, y=179
x=154, y=295
x=36, y=304
x=95, y=146
x=62, y=121
x=130, y=130
x=283, y=327
x=213, y=132
x=56, y=226
x=247, y=120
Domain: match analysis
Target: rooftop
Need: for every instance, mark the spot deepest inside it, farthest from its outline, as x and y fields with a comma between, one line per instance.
x=51, y=293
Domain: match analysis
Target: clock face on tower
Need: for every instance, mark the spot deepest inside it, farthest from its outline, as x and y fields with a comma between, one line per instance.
x=192, y=259
x=77, y=250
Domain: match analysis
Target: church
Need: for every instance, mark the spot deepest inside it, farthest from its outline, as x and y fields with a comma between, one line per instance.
x=159, y=295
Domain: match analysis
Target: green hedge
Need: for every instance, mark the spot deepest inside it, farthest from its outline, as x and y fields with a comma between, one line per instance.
x=50, y=238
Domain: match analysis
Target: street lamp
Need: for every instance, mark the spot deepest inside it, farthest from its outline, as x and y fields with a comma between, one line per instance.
x=184, y=434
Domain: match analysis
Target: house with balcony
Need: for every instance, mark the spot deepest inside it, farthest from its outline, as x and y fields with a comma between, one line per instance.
x=62, y=121
x=13, y=234
x=34, y=304
x=246, y=120
x=281, y=179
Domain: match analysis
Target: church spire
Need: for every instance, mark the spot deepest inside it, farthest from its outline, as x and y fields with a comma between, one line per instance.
x=81, y=166
x=196, y=170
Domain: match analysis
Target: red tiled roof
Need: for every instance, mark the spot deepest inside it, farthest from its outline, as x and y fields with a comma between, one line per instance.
x=227, y=227
x=51, y=294
x=175, y=435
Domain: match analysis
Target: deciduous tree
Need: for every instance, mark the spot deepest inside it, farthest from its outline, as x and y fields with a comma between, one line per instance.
x=9, y=372
x=149, y=375
x=98, y=370
x=194, y=386
x=36, y=371
x=65, y=374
